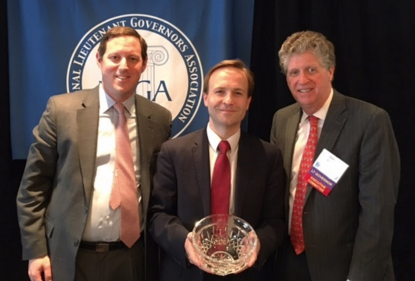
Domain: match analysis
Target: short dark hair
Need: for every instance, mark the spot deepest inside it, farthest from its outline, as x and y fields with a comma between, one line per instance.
x=122, y=31
x=237, y=63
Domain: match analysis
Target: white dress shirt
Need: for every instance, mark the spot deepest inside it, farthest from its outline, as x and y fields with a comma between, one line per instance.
x=232, y=154
x=103, y=223
x=301, y=140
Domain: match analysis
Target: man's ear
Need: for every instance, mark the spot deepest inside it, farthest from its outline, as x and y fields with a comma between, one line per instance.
x=99, y=59
x=205, y=96
x=144, y=65
x=331, y=73
x=249, y=103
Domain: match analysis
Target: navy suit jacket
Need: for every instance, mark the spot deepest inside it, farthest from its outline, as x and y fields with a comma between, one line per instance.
x=181, y=197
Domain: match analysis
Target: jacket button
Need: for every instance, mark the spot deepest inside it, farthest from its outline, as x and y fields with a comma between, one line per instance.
x=76, y=243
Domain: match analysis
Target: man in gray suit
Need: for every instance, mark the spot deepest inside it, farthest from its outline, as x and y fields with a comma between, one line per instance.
x=68, y=229
x=182, y=185
x=347, y=232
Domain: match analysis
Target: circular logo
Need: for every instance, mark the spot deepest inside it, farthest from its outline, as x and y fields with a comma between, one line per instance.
x=173, y=77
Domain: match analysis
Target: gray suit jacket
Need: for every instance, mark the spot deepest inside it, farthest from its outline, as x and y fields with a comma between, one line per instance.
x=181, y=197
x=54, y=195
x=348, y=234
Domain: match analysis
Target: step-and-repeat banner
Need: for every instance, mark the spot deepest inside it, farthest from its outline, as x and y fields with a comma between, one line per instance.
x=53, y=43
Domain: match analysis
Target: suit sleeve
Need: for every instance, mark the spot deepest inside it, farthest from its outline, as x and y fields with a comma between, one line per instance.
x=379, y=171
x=272, y=229
x=273, y=134
x=36, y=186
x=165, y=226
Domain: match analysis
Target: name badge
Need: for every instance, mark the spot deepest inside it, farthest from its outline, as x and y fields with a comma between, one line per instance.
x=326, y=172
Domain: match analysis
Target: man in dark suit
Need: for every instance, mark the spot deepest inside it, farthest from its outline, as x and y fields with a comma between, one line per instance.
x=347, y=233
x=182, y=184
x=68, y=229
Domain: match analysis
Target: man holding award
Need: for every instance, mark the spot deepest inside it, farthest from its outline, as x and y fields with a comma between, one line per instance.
x=218, y=170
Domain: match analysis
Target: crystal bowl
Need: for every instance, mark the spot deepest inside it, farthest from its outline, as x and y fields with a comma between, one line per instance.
x=224, y=243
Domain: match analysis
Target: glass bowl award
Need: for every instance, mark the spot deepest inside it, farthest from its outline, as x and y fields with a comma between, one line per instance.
x=224, y=243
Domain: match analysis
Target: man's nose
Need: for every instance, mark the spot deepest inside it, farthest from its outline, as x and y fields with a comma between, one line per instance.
x=123, y=63
x=228, y=98
x=303, y=77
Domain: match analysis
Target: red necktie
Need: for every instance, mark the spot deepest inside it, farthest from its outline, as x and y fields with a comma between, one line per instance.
x=124, y=190
x=221, y=181
x=297, y=235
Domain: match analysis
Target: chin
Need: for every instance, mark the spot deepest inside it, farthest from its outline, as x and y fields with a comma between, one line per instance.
x=123, y=91
x=306, y=100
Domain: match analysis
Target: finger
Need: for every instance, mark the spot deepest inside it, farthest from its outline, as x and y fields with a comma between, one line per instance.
x=242, y=268
x=251, y=260
x=203, y=266
x=189, y=248
x=48, y=274
x=35, y=275
x=35, y=278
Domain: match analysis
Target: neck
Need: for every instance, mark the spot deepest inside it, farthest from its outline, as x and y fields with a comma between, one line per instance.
x=224, y=132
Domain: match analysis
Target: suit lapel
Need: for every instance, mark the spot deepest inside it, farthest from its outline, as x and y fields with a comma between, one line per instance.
x=335, y=119
x=145, y=127
x=288, y=149
x=246, y=155
x=87, y=127
x=290, y=137
x=200, y=152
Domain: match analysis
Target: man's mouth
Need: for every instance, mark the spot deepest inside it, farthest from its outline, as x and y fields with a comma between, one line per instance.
x=121, y=77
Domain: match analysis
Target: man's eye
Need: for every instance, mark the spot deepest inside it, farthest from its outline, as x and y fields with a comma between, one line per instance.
x=312, y=70
x=293, y=73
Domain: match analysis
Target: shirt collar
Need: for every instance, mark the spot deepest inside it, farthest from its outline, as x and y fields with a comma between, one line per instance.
x=106, y=102
x=214, y=139
x=322, y=112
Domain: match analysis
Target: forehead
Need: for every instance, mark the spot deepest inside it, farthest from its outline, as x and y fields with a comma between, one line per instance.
x=124, y=42
x=303, y=60
x=226, y=74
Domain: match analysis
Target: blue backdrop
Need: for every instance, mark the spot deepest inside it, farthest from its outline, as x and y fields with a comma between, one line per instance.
x=52, y=46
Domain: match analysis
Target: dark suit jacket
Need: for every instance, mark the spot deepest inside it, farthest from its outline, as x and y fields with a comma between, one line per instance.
x=57, y=184
x=181, y=196
x=348, y=234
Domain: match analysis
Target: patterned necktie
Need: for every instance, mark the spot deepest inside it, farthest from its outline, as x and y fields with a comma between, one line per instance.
x=297, y=235
x=124, y=190
x=221, y=181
